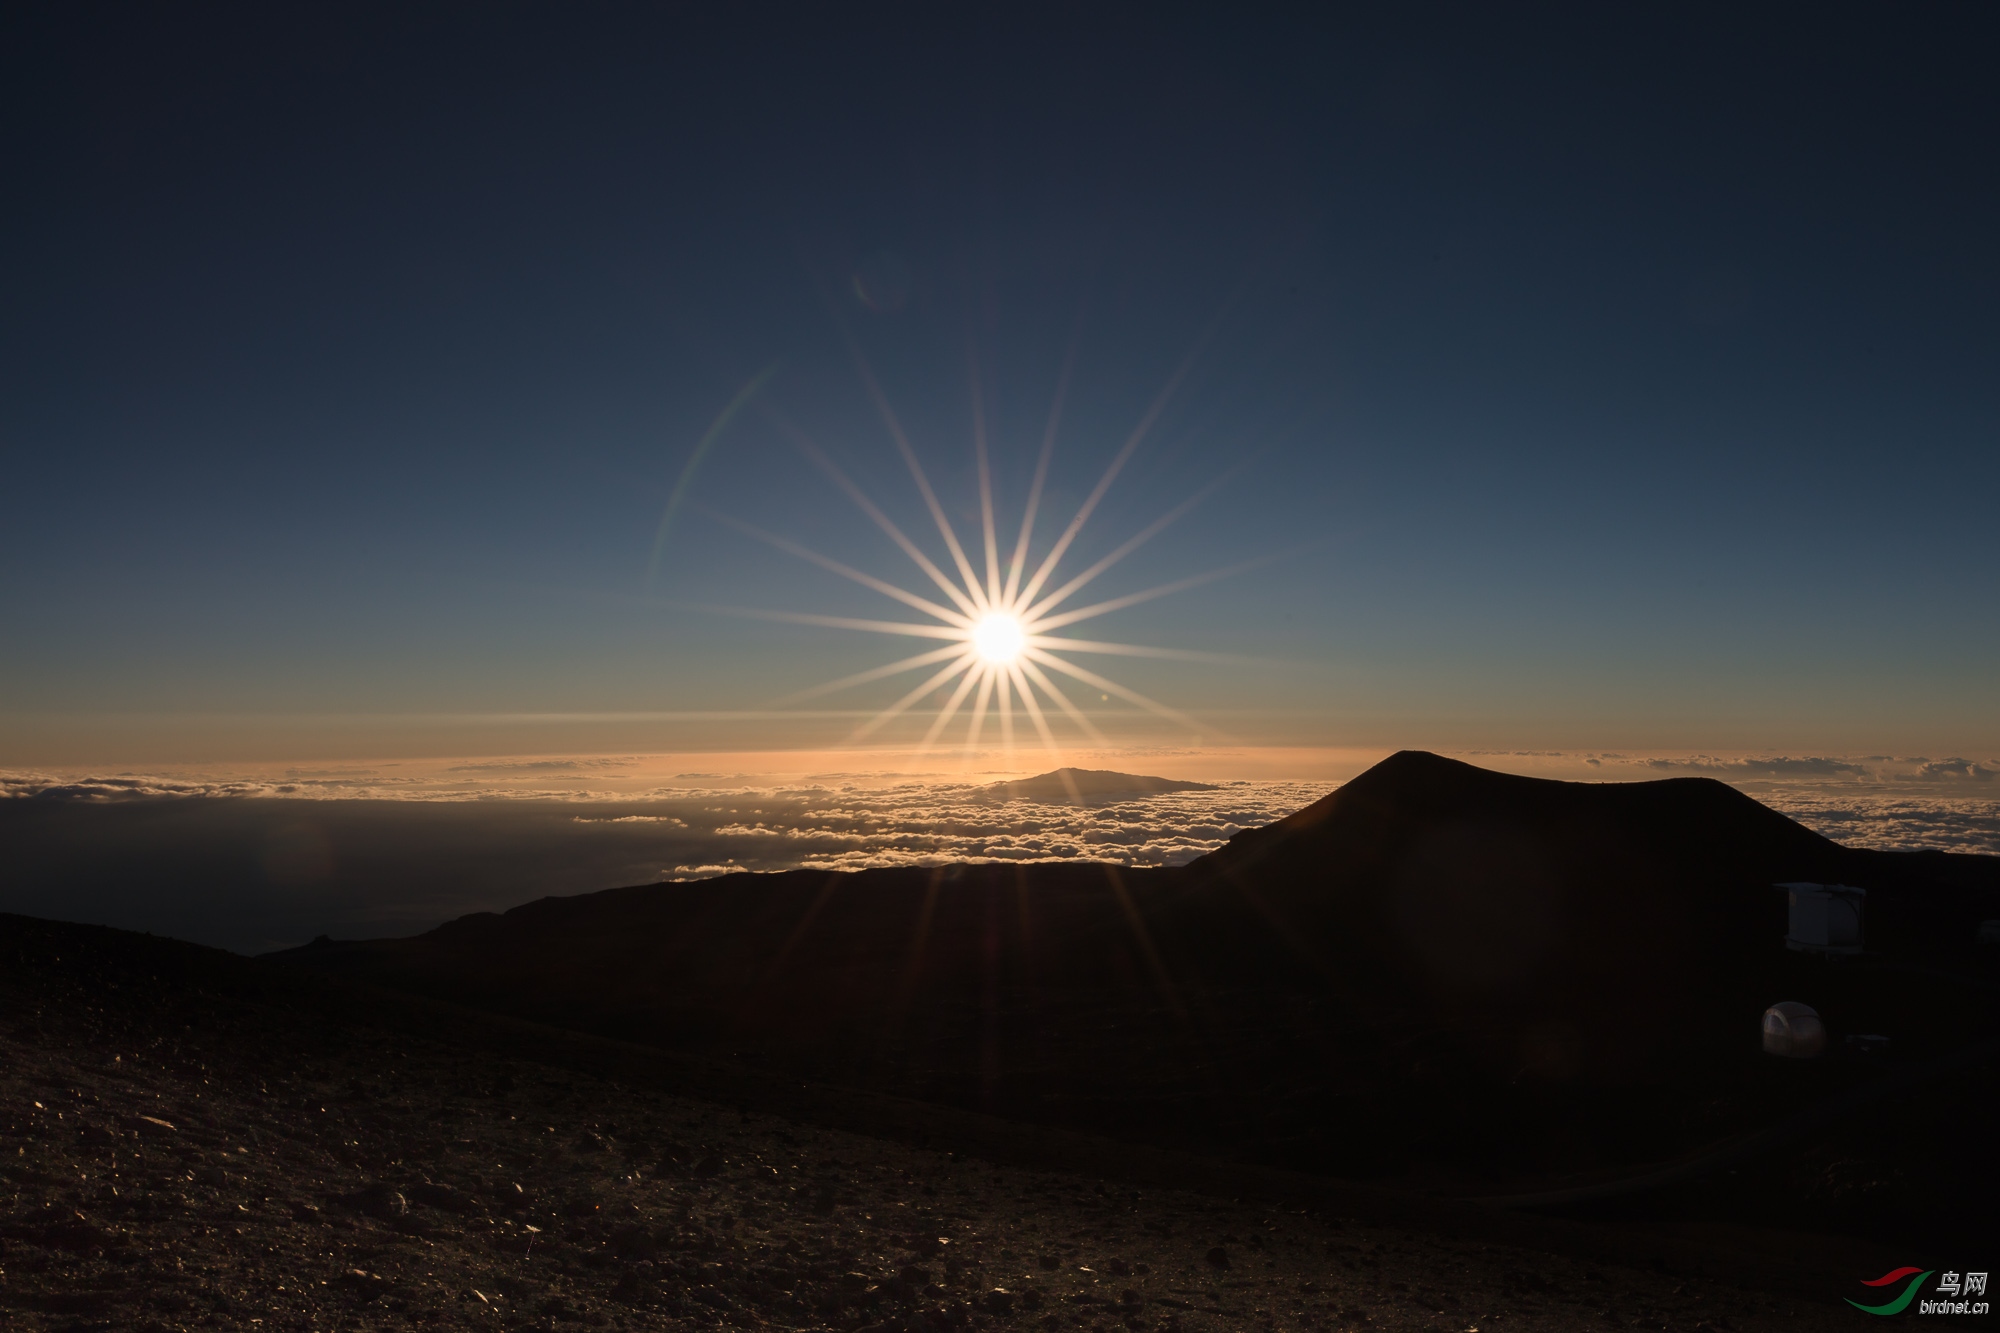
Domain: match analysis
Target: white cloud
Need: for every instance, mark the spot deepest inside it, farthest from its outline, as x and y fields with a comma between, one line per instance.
x=1898, y=823
x=104, y=790
x=1782, y=766
x=834, y=825
x=913, y=824
x=1958, y=770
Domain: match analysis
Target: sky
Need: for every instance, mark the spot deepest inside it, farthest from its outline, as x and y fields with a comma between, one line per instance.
x=400, y=382
x=450, y=448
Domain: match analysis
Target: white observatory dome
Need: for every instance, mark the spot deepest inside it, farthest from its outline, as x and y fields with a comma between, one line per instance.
x=1793, y=1030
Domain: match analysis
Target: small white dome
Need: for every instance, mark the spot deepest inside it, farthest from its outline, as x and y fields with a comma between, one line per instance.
x=1793, y=1030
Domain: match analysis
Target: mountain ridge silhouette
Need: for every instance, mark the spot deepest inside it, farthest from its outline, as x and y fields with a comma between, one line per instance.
x=1585, y=961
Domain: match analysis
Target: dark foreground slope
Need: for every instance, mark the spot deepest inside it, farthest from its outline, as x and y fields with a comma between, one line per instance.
x=1452, y=978
x=198, y=1141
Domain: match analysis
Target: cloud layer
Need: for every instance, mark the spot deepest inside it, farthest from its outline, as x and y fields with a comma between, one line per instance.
x=267, y=862
x=1898, y=823
x=256, y=866
x=854, y=828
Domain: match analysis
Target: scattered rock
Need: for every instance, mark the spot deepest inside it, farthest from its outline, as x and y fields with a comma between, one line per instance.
x=240, y=1241
x=377, y=1200
x=634, y=1287
x=73, y=1232
x=431, y=1194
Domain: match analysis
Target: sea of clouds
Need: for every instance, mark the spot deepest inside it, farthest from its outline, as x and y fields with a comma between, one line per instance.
x=855, y=828
x=271, y=860
x=702, y=831
x=261, y=864
x=711, y=823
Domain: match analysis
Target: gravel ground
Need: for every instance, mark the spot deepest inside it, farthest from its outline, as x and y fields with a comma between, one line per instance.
x=178, y=1155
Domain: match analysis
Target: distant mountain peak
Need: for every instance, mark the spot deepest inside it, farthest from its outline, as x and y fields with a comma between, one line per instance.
x=1679, y=817
x=1086, y=786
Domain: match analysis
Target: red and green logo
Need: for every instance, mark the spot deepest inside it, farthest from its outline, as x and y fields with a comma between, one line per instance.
x=1902, y=1302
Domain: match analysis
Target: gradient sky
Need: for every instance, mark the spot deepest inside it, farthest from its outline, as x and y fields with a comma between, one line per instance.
x=1581, y=378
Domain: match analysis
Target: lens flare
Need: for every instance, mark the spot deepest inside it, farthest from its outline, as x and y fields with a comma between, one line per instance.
x=997, y=624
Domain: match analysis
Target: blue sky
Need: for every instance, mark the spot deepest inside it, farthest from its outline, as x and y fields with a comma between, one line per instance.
x=1582, y=380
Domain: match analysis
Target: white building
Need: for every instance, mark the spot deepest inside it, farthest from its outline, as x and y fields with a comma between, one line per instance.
x=1825, y=918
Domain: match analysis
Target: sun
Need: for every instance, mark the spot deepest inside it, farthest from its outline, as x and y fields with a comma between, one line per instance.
x=999, y=638
x=1000, y=650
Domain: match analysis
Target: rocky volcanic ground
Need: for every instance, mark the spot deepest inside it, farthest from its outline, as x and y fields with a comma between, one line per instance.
x=183, y=1152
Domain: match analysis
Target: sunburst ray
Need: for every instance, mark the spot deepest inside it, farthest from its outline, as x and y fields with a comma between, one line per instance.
x=897, y=709
x=1003, y=688
x=826, y=464
x=883, y=586
x=998, y=626
x=896, y=433
x=872, y=674
x=1040, y=624
x=833, y=622
x=1124, y=455
x=978, y=722
x=1131, y=544
x=1109, y=686
x=1070, y=710
x=949, y=711
x=1055, y=643
x=1034, y=710
x=985, y=481
x=1018, y=565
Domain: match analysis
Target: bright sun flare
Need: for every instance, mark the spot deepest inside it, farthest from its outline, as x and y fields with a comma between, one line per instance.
x=998, y=624
x=999, y=638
